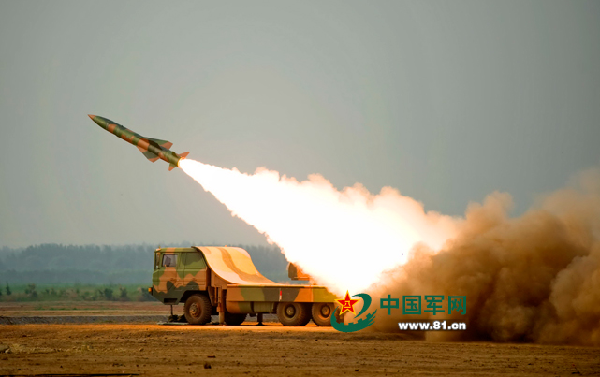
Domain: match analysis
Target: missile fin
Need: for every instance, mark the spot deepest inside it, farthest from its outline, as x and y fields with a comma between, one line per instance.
x=150, y=156
x=171, y=166
x=163, y=143
x=184, y=154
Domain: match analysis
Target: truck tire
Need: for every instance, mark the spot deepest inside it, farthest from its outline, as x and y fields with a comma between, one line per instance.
x=321, y=313
x=293, y=313
x=197, y=310
x=234, y=319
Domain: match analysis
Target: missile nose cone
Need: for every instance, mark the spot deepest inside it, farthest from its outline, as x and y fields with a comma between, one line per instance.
x=102, y=122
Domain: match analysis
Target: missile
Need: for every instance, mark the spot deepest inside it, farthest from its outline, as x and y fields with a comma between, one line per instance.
x=152, y=149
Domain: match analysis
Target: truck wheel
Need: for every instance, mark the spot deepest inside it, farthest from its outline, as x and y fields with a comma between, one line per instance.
x=321, y=312
x=234, y=319
x=197, y=310
x=293, y=313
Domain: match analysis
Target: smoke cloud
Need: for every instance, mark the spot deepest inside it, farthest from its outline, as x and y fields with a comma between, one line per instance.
x=531, y=278
x=535, y=277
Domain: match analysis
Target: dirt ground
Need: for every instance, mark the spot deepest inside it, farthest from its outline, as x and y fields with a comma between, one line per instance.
x=272, y=350
x=249, y=350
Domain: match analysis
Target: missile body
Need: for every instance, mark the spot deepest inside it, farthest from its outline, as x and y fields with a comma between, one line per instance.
x=152, y=149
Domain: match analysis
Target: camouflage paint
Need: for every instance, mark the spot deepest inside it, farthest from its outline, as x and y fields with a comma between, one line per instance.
x=279, y=293
x=226, y=272
x=170, y=283
x=152, y=149
x=233, y=264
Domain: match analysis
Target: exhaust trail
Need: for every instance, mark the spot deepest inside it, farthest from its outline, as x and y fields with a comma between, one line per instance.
x=344, y=239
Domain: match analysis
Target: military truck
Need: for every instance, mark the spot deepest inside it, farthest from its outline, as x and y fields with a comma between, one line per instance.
x=224, y=280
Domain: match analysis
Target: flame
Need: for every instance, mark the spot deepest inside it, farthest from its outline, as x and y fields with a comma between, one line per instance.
x=344, y=239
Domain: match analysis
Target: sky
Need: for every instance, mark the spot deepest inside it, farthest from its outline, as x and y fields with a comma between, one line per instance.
x=445, y=101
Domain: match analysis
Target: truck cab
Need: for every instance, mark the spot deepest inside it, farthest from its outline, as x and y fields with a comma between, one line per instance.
x=177, y=271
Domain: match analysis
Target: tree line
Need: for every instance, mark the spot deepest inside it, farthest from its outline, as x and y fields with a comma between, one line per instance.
x=74, y=292
x=108, y=264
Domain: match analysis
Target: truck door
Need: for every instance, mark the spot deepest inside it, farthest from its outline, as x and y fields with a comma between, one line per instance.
x=166, y=278
x=194, y=272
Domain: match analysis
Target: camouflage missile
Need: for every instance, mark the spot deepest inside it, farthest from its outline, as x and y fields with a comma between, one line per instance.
x=152, y=149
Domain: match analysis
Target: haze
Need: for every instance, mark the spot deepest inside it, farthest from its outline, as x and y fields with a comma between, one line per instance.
x=446, y=102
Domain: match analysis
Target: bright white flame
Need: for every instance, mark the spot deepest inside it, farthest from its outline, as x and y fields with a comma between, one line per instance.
x=344, y=239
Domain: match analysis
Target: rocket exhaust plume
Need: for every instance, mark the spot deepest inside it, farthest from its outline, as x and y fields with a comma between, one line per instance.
x=344, y=239
x=531, y=278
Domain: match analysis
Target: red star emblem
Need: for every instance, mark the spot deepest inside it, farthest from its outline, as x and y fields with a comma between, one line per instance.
x=347, y=304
